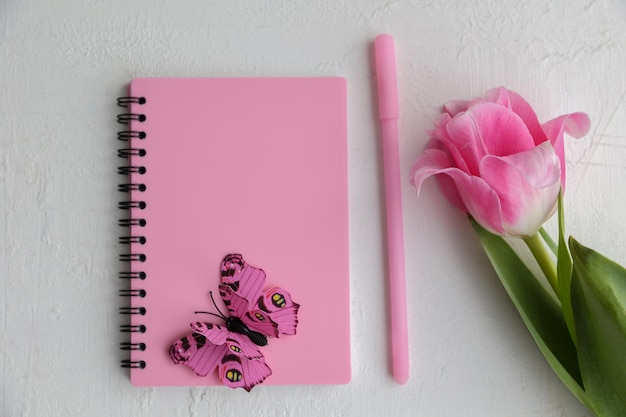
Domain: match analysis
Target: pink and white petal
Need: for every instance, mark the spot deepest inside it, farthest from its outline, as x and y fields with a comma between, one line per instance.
x=448, y=189
x=440, y=134
x=521, y=107
x=481, y=201
x=468, y=193
x=540, y=166
x=429, y=163
x=528, y=185
x=495, y=95
x=499, y=96
x=432, y=162
x=576, y=125
x=435, y=158
x=501, y=131
x=466, y=139
x=453, y=107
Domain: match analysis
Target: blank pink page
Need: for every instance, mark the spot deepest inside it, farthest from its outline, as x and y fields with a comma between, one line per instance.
x=256, y=166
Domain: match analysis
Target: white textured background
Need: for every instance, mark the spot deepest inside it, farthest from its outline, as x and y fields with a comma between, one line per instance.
x=63, y=63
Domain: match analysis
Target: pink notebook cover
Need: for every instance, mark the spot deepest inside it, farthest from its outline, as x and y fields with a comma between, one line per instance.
x=256, y=166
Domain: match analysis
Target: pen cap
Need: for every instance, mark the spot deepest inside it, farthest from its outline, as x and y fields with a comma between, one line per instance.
x=386, y=78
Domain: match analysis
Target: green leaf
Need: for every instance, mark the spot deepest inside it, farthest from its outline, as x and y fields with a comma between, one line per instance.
x=539, y=310
x=599, y=306
x=564, y=274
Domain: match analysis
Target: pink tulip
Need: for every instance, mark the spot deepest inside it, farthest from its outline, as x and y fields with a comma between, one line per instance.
x=494, y=160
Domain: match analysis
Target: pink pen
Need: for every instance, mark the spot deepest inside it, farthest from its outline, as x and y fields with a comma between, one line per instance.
x=388, y=114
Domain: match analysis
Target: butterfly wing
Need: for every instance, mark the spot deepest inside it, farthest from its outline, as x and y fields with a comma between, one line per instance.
x=242, y=280
x=243, y=364
x=271, y=312
x=239, y=372
x=240, y=363
x=236, y=344
x=198, y=353
x=274, y=313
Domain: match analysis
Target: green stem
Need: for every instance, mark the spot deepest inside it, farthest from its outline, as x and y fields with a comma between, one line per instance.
x=547, y=265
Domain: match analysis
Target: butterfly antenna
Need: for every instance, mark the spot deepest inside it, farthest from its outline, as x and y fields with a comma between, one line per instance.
x=216, y=307
x=208, y=312
x=221, y=315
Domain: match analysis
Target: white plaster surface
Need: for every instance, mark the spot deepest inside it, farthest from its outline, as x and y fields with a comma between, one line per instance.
x=63, y=63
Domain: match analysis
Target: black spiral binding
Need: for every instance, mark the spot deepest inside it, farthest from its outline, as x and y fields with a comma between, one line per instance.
x=133, y=139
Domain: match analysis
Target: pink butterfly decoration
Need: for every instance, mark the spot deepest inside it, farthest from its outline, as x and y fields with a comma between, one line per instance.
x=234, y=347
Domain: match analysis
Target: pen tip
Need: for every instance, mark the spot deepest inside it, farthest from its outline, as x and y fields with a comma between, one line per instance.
x=401, y=377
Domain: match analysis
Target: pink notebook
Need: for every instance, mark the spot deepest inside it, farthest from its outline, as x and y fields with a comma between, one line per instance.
x=250, y=166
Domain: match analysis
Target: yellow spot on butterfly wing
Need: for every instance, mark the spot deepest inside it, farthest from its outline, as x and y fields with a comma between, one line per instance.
x=278, y=300
x=233, y=375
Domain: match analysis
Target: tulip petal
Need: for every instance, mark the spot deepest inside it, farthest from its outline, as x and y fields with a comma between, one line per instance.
x=469, y=193
x=465, y=139
x=521, y=107
x=447, y=187
x=528, y=185
x=440, y=133
x=495, y=95
x=500, y=131
x=540, y=166
x=481, y=200
x=453, y=107
x=575, y=124
x=499, y=96
x=431, y=162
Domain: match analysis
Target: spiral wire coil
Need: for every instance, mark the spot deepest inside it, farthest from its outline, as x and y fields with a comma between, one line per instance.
x=132, y=153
